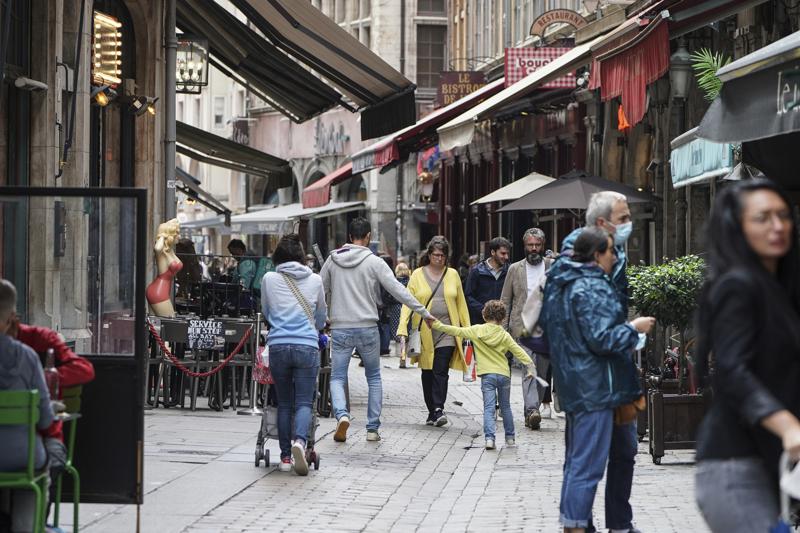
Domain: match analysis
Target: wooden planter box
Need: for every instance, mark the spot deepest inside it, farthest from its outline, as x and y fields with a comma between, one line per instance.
x=673, y=421
x=668, y=386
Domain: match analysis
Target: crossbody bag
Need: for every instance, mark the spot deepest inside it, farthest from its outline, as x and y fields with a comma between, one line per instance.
x=414, y=336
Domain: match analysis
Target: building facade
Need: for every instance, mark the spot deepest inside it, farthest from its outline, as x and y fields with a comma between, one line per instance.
x=410, y=35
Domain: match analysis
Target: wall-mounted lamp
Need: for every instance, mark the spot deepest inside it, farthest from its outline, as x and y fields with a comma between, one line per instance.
x=680, y=71
x=139, y=105
x=102, y=95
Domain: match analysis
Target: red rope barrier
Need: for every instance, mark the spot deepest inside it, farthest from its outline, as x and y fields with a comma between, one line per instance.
x=186, y=370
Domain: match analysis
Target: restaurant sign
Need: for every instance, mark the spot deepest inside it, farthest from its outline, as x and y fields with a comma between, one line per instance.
x=455, y=85
x=556, y=16
x=520, y=62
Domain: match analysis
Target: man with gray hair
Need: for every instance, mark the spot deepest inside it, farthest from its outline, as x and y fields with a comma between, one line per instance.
x=20, y=370
x=523, y=281
x=609, y=210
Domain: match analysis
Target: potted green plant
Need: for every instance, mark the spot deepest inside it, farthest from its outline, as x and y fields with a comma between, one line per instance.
x=669, y=292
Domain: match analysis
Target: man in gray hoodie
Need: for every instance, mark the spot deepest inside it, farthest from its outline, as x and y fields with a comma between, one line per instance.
x=352, y=277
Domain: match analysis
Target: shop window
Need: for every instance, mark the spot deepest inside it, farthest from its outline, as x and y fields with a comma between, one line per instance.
x=219, y=111
x=366, y=37
x=430, y=54
x=430, y=7
x=341, y=10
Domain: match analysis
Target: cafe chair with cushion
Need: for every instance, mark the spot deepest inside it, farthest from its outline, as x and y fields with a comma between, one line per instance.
x=21, y=408
x=71, y=397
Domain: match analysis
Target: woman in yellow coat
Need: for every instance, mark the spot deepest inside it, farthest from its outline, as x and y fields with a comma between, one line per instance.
x=440, y=352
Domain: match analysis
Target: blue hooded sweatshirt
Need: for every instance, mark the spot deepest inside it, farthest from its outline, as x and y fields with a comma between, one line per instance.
x=288, y=322
x=619, y=276
x=591, y=343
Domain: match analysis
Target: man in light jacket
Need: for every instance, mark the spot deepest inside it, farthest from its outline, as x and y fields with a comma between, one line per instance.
x=523, y=281
x=353, y=277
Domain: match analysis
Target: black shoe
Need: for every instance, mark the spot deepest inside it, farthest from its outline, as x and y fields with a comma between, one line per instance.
x=430, y=421
x=439, y=418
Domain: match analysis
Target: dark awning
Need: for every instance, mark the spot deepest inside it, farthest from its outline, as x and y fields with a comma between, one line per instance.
x=760, y=96
x=190, y=186
x=251, y=60
x=218, y=151
x=385, y=96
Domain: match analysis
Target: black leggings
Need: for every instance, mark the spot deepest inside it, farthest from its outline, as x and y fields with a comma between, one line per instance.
x=434, y=381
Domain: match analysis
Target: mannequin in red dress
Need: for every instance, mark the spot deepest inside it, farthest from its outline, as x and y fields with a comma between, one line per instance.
x=159, y=292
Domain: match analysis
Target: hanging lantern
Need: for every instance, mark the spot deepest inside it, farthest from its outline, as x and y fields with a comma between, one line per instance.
x=425, y=183
x=191, y=65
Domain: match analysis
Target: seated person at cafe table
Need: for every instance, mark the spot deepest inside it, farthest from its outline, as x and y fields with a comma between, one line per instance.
x=72, y=369
x=20, y=370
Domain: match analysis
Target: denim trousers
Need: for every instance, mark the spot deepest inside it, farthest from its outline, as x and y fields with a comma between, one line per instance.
x=367, y=342
x=592, y=441
x=294, y=368
x=736, y=495
x=496, y=388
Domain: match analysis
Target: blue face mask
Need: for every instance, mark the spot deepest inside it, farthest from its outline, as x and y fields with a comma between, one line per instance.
x=623, y=233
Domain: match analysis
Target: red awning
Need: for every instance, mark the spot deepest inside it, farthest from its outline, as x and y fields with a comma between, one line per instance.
x=318, y=193
x=626, y=73
x=388, y=150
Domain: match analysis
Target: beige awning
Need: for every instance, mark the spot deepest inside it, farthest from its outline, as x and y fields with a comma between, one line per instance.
x=516, y=189
x=460, y=130
x=307, y=35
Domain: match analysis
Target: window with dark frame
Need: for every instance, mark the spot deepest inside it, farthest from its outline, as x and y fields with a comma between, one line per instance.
x=430, y=54
x=430, y=7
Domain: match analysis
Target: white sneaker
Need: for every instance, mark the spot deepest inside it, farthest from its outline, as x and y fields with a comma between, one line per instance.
x=299, y=456
x=285, y=465
x=373, y=435
x=546, y=411
x=490, y=444
x=341, y=429
x=510, y=441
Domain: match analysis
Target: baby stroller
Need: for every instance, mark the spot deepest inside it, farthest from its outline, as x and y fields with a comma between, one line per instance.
x=269, y=430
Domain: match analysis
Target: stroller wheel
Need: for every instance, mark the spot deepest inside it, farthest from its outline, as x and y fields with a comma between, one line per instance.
x=316, y=462
x=259, y=454
x=266, y=458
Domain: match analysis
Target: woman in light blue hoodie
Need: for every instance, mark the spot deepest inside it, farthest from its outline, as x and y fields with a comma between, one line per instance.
x=293, y=302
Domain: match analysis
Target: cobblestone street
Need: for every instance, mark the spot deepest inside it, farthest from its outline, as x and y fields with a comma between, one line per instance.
x=200, y=474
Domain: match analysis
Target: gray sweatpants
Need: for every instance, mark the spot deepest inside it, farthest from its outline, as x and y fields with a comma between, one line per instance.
x=736, y=495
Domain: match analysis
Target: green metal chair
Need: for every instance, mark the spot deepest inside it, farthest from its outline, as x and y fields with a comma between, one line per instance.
x=72, y=400
x=21, y=408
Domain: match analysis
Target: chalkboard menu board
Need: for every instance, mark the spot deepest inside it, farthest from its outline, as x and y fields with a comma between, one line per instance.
x=205, y=334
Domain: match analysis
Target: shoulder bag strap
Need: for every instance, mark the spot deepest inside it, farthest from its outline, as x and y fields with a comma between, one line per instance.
x=433, y=293
x=300, y=298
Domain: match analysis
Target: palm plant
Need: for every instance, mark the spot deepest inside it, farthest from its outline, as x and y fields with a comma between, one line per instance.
x=706, y=64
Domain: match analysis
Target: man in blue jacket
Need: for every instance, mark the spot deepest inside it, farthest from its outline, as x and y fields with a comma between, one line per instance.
x=485, y=281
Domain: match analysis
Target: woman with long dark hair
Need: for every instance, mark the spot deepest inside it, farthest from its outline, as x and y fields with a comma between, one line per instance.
x=293, y=302
x=748, y=324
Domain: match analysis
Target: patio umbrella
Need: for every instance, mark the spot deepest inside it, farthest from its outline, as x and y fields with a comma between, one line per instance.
x=572, y=191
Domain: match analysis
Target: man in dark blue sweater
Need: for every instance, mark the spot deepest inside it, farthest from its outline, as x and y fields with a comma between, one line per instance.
x=485, y=281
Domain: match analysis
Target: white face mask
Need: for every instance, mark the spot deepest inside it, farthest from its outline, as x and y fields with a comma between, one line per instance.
x=622, y=233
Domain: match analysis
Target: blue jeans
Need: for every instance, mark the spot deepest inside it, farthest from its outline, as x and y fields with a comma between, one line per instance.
x=592, y=440
x=367, y=342
x=496, y=388
x=294, y=368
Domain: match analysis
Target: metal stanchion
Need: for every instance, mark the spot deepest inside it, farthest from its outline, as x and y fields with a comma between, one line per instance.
x=253, y=410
